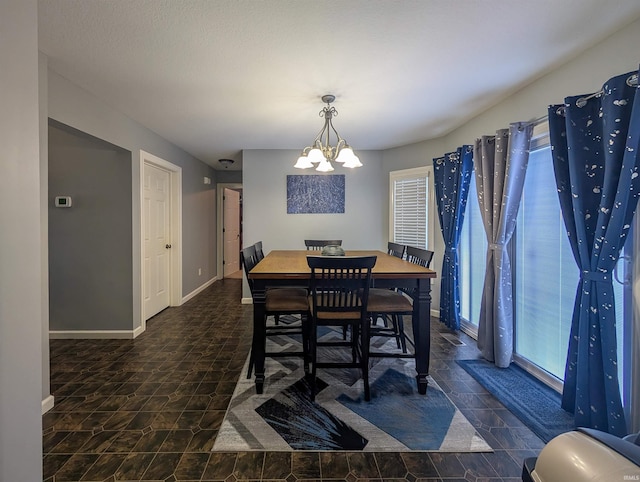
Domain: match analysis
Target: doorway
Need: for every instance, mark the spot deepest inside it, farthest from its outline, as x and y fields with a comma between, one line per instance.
x=161, y=235
x=229, y=229
x=231, y=233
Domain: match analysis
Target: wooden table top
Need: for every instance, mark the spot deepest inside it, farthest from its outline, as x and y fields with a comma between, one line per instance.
x=292, y=264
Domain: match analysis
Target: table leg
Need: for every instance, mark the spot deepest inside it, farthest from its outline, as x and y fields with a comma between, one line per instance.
x=259, y=333
x=421, y=322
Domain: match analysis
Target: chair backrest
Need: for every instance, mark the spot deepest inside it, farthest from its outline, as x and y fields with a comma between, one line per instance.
x=419, y=256
x=340, y=285
x=318, y=244
x=249, y=260
x=259, y=253
x=397, y=250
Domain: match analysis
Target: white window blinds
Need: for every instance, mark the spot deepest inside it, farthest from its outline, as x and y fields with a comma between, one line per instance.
x=410, y=209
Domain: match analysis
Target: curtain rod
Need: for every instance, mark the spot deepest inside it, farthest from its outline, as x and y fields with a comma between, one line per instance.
x=540, y=120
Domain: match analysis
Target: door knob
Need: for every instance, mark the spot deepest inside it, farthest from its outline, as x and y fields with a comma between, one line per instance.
x=168, y=246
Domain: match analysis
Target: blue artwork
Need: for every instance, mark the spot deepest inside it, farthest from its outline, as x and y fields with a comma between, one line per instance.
x=315, y=194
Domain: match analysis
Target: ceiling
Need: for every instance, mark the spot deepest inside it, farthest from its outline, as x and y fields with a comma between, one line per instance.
x=218, y=76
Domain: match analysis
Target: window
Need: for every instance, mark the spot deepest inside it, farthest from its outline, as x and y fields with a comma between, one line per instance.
x=472, y=252
x=411, y=207
x=545, y=275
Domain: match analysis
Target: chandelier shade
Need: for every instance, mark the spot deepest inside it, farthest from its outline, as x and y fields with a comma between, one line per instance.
x=320, y=154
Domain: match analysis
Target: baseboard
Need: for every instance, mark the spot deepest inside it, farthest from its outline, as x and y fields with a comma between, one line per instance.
x=89, y=334
x=199, y=289
x=138, y=331
x=435, y=314
x=47, y=404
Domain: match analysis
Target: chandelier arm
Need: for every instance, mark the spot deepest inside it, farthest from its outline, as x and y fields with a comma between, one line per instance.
x=340, y=141
x=321, y=133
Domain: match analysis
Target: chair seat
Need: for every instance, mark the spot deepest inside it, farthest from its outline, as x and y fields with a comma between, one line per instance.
x=337, y=315
x=286, y=299
x=382, y=300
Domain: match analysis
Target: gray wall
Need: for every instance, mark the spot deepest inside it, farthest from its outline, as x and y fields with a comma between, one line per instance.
x=20, y=237
x=90, y=260
x=75, y=107
x=226, y=176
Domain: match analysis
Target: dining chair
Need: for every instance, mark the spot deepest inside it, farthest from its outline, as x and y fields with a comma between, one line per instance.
x=419, y=256
x=339, y=291
x=259, y=252
x=318, y=244
x=386, y=301
x=397, y=250
x=279, y=302
x=391, y=305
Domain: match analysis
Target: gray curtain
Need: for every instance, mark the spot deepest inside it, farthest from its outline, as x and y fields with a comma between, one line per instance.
x=500, y=163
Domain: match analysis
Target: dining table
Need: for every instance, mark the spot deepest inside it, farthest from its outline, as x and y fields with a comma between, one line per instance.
x=289, y=268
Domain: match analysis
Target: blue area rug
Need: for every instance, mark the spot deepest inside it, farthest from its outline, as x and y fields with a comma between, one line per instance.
x=397, y=418
x=533, y=402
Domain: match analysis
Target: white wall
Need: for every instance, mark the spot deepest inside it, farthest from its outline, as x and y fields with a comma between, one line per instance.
x=362, y=226
x=584, y=74
x=20, y=237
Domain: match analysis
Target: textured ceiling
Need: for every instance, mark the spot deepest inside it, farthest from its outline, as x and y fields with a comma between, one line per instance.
x=218, y=76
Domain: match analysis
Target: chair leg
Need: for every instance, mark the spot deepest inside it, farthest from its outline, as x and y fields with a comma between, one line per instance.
x=355, y=339
x=251, y=362
x=396, y=329
x=252, y=357
x=306, y=342
x=313, y=347
x=402, y=339
x=364, y=341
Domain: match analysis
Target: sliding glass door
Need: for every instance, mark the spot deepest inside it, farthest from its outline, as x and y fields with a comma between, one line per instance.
x=546, y=279
x=546, y=274
x=472, y=262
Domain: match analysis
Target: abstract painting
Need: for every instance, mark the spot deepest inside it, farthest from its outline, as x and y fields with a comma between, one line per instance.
x=315, y=194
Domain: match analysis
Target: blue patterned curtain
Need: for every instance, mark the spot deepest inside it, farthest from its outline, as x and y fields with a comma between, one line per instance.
x=595, y=141
x=452, y=175
x=501, y=165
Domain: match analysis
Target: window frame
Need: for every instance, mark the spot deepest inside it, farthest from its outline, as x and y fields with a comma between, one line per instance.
x=414, y=173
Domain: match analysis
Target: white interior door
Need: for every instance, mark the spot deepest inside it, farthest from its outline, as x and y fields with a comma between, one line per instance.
x=157, y=240
x=231, y=255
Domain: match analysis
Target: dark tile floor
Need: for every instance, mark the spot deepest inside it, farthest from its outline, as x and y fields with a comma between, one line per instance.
x=149, y=409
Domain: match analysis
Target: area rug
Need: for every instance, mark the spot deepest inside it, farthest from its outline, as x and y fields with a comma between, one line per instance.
x=534, y=403
x=396, y=418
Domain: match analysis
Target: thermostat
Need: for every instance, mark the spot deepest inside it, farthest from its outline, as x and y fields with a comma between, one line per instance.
x=63, y=201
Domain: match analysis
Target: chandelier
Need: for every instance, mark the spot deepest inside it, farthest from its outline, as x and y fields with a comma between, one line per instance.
x=321, y=152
